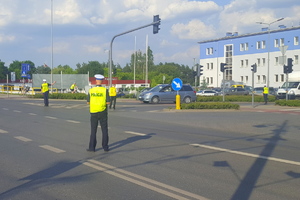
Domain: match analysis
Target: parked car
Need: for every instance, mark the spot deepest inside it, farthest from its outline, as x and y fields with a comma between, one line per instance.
x=259, y=91
x=236, y=91
x=207, y=93
x=165, y=93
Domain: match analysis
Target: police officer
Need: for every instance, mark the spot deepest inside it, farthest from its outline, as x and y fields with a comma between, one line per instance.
x=113, y=96
x=265, y=93
x=98, y=97
x=72, y=88
x=45, y=91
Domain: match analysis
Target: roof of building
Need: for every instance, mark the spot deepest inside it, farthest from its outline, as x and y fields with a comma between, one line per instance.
x=235, y=35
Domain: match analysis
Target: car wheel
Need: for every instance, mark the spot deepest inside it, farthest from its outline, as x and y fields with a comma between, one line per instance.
x=187, y=100
x=155, y=99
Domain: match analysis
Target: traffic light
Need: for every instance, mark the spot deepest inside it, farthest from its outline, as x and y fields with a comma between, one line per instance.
x=194, y=73
x=285, y=69
x=289, y=65
x=156, y=25
x=223, y=67
x=254, y=68
x=200, y=70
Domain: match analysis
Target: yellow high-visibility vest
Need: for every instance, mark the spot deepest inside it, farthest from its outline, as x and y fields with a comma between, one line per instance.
x=112, y=92
x=72, y=86
x=45, y=87
x=266, y=90
x=97, y=99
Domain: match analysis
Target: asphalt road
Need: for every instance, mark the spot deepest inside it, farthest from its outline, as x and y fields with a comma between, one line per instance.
x=156, y=152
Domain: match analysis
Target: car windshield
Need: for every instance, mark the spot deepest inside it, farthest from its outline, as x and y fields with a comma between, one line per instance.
x=290, y=84
x=157, y=88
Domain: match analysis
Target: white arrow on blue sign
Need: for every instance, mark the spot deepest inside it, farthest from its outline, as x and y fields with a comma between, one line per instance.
x=176, y=84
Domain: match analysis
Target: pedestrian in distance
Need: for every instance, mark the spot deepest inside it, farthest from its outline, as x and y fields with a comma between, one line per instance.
x=72, y=88
x=45, y=91
x=265, y=93
x=113, y=96
x=98, y=98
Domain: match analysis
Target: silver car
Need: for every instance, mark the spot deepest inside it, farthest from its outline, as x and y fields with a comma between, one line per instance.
x=165, y=93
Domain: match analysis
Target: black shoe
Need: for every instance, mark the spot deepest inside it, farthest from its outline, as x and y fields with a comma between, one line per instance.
x=90, y=150
x=106, y=150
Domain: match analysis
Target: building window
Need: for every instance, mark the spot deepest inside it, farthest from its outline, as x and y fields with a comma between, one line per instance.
x=246, y=62
x=211, y=80
x=276, y=43
x=211, y=65
x=263, y=62
x=296, y=59
x=276, y=60
x=282, y=77
x=246, y=77
x=258, y=45
x=258, y=62
x=263, y=44
x=246, y=46
x=264, y=79
x=242, y=79
x=242, y=47
x=281, y=41
x=207, y=65
x=276, y=78
x=207, y=80
x=258, y=79
x=296, y=40
x=242, y=63
x=209, y=51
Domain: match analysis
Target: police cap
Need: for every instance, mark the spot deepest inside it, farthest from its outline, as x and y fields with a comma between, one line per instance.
x=99, y=77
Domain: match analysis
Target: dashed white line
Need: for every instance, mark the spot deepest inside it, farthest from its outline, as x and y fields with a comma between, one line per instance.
x=72, y=121
x=135, y=133
x=31, y=114
x=247, y=154
x=3, y=131
x=5, y=108
x=24, y=139
x=53, y=149
x=17, y=111
x=50, y=117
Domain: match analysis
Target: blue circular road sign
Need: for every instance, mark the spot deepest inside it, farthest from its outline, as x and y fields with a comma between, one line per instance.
x=176, y=84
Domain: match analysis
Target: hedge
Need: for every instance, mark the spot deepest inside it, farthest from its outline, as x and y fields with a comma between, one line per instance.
x=234, y=98
x=210, y=105
x=283, y=102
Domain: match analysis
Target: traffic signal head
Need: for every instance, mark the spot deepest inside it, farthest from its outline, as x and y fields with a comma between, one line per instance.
x=156, y=25
x=289, y=65
x=194, y=73
x=200, y=70
x=285, y=69
x=222, y=67
x=254, y=68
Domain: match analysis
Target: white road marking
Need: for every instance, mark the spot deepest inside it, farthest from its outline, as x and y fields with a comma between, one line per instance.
x=31, y=114
x=247, y=154
x=135, y=133
x=143, y=181
x=53, y=149
x=72, y=121
x=24, y=139
x=5, y=108
x=3, y=131
x=50, y=117
x=17, y=111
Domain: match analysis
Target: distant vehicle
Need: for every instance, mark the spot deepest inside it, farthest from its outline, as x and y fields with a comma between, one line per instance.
x=120, y=94
x=236, y=91
x=237, y=86
x=207, y=93
x=259, y=91
x=165, y=93
x=292, y=87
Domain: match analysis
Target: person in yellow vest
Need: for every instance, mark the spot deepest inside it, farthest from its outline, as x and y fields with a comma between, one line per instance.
x=98, y=98
x=113, y=96
x=72, y=88
x=45, y=91
x=265, y=93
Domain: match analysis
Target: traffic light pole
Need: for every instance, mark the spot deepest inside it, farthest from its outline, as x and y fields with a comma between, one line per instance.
x=286, y=86
x=111, y=43
x=252, y=89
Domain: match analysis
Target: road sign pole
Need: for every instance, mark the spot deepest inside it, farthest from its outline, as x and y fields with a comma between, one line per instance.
x=177, y=101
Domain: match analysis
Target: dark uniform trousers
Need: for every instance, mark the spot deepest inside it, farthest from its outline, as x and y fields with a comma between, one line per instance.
x=46, y=98
x=113, y=100
x=102, y=118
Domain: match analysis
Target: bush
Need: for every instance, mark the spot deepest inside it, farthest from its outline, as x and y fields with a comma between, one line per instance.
x=78, y=96
x=293, y=103
x=210, y=105
x=235, y=98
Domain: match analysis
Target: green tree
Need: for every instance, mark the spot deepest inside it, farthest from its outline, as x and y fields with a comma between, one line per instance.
x=44, y=69
x=3, y=70
x=66, y=69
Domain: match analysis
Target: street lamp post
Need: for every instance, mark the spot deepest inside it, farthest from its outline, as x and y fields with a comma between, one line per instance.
x=269, y=45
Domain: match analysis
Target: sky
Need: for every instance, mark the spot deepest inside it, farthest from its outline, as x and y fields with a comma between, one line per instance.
x=82, y=30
